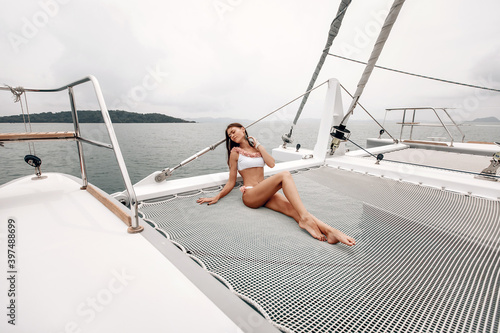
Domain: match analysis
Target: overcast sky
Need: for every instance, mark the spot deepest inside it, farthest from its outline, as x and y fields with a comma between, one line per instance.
x=244, y=58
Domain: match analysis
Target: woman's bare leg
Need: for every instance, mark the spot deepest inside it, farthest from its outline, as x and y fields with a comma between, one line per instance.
x=281, y=204
x=262, y=192
x=265, y=190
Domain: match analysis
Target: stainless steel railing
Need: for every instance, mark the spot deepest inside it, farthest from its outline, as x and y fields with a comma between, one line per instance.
x=134, y=227
x=413, y=124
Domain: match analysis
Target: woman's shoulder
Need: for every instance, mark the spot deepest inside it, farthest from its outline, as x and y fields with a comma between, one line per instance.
x=235, y=151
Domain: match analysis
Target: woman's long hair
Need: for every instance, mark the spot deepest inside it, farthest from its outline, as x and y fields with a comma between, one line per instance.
x=230, y=144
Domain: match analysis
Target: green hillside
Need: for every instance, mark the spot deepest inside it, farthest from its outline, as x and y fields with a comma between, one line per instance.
x=117, y=116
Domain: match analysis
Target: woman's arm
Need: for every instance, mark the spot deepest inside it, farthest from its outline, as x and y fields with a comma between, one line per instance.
x=233, y=172
x=268, y=159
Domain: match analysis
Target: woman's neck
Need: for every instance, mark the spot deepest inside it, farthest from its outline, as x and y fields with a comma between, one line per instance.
x=244, y=145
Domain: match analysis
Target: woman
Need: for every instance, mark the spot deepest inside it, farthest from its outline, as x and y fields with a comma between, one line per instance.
x=248, y=157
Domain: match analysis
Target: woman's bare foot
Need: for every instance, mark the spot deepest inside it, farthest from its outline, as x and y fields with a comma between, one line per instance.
x=310, y=225
x=333, y=235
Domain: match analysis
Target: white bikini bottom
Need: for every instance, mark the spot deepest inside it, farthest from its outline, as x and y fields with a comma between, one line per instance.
x=244, y=188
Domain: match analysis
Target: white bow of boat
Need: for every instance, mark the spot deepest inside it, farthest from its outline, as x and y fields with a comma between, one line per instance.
x=424, y=212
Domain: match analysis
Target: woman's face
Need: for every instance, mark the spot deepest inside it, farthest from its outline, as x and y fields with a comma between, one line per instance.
x=237, y=134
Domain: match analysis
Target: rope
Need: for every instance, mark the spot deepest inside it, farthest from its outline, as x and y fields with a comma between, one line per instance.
x=332, y=33
x=18, y=92
x=417, y=75
x=377, y=50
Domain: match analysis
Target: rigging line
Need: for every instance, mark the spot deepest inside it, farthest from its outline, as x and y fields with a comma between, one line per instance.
x=417, y=75
x=168, y=171
x=375, y=120
x=29, y=120
x=281, y=107
x=27, y=111
x=332, y=33
x=366, y=151
x=338, y=131
x=423, y=165
x=445, y=169
x=24, y=119
x=375, y=54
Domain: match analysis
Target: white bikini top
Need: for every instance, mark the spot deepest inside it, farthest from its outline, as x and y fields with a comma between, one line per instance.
x=248, y=160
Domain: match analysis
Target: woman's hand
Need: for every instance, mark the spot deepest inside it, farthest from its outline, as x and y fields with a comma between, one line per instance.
x=255, y=142
x=209, y=200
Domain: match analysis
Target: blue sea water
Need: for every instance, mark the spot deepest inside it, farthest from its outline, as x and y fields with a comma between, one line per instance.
x=150, y=147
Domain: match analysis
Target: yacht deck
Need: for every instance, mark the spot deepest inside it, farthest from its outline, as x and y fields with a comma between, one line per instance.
x=73, y=267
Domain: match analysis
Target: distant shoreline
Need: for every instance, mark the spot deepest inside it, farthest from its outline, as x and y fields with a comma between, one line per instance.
x=93, y=116
x=120, y=116
x=486, y=120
